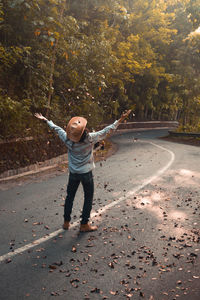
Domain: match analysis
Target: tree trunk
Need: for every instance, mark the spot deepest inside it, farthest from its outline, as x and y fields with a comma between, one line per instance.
x=152, y=115
x=53, y=61
x=146, y=113
x=159, y=114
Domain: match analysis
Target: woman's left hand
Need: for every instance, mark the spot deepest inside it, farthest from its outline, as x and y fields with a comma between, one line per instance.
x=124, y=115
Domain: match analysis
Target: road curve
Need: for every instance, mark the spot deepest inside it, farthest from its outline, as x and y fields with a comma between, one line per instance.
x=146, y=205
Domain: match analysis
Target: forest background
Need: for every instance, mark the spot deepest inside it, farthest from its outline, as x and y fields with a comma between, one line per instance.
x=97, y=58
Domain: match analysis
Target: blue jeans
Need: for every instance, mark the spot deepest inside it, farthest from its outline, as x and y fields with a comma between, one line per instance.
x=88, y=187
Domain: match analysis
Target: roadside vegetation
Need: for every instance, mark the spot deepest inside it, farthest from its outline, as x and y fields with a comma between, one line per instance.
x=98, y=58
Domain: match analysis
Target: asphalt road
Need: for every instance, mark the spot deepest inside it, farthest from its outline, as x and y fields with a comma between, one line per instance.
x=147, y=208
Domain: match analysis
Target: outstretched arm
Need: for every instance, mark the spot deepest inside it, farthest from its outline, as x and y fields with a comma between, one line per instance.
x=95, y=137
x=41, y=117
x=61, y=132
x=124, y=116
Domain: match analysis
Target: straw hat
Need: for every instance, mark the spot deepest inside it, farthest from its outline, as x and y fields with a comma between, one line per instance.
x=75, y=128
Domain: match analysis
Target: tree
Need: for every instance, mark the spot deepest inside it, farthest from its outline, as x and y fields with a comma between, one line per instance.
x=98, y=58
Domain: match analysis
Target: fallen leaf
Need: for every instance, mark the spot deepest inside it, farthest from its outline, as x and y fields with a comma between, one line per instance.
x=129, y=295
x=52, y=267
x=37, y=223
x=89, y=245
x=111, y=265
x=40, y=250
x=73, y=249
x=59, y=263
x=54, y=294
x=114, y=293
x=95, y=290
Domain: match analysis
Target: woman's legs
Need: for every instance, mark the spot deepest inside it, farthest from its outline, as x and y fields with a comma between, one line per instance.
x=72, y=187
x=88, y=187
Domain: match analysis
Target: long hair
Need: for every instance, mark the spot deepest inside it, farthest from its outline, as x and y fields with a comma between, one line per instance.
x=84, y=135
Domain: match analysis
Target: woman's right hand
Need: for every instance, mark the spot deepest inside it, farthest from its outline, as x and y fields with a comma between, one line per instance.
x=40, y=116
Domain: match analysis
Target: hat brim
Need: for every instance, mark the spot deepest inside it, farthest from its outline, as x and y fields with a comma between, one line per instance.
x=75, y=137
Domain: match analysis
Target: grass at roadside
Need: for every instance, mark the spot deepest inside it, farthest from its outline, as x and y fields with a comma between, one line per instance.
x=183, y=140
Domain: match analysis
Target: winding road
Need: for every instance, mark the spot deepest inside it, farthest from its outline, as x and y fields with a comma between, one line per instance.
x=147, y=208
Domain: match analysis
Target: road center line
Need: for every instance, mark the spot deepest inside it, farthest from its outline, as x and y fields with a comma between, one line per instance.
x=100, y=210
x=142, y=185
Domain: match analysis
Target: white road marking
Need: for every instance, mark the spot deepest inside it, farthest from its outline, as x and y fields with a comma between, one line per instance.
x=141, y=186
x=100, y=211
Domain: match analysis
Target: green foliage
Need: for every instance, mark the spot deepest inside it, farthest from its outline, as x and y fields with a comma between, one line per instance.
x=195, y=128
x=14, y=117
x=97, y=58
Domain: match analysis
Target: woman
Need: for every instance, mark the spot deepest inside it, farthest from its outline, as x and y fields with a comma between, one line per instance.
x=80, y=142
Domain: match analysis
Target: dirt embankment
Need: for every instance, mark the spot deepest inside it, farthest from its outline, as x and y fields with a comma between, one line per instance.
x=24, y=152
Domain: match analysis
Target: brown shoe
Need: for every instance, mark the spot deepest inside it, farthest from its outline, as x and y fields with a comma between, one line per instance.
x=66, y=225
x=87, y=228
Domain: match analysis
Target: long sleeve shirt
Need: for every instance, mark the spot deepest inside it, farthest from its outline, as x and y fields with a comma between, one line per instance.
x=80, y=154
